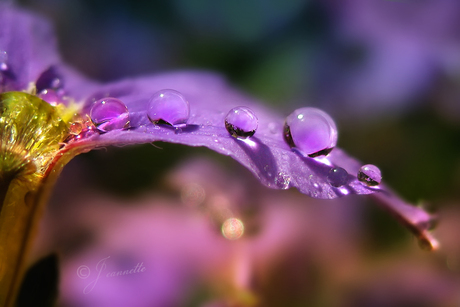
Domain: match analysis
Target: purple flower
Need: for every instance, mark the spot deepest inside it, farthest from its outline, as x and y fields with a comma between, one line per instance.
x=61, y=114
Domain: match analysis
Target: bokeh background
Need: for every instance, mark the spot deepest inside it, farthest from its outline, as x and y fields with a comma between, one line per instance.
x=389, y=74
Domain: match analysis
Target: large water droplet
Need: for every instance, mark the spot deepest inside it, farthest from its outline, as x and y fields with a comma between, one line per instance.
x=370, y=175
x=337, y=177
x=241, y=122
x=310, y=130
x=168, y=107
x=109, y=114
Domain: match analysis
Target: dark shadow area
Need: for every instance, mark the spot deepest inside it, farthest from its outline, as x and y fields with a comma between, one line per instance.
x=40, y=285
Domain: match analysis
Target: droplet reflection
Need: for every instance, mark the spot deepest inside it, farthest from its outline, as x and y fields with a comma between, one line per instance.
x=241, y=122
x=232, y=228
x=370, y=175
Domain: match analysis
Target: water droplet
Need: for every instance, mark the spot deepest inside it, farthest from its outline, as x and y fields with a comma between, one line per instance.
x=337, y=177
x=232, y=228
x=50, y=79
x=310, y=130
x=75, y=128
x=50, y=96
x=370, y=175
x=109, y=114
x=282, y=180
x=168, y=107
x=241, y=122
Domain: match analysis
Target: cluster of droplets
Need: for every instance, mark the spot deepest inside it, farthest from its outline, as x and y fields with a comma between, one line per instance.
x=80, y=128
x=310, y=131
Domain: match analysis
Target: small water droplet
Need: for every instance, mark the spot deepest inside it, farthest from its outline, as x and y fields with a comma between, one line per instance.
x=241, y=122
x=75, y=128
x=109, y=114
x=168, y=107
x=282, y=180
x=370, y=175
x=337, y=177
x=310, y=130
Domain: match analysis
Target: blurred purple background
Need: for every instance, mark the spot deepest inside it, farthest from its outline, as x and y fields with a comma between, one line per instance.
x=388, y=72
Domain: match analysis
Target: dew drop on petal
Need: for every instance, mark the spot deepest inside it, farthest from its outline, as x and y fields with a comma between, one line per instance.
x=50, y=79
x=232, y=228
x=50, y=96
x=282, y=181
x=241, y=122
x=370, y=175
x=337, y=177
x=75, y=128
x=168, y=107
x=310, y=130
x=109, y=114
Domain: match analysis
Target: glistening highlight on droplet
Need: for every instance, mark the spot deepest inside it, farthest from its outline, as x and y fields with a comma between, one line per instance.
x=370, y=175
x=168, y=107
x=109, y=114
x=311, y=131
x=241, y=122
x=337, y=177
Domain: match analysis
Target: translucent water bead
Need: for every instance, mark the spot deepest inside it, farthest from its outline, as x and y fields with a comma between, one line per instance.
x=311, y=131
x=241, y=122
x=109, y=114
x=370, y=175
x=168, y=107
x=337, y=177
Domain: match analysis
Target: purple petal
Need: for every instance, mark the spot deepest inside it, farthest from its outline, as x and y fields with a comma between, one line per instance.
x=31, y=55
x=266, y=154
x=29, y=43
